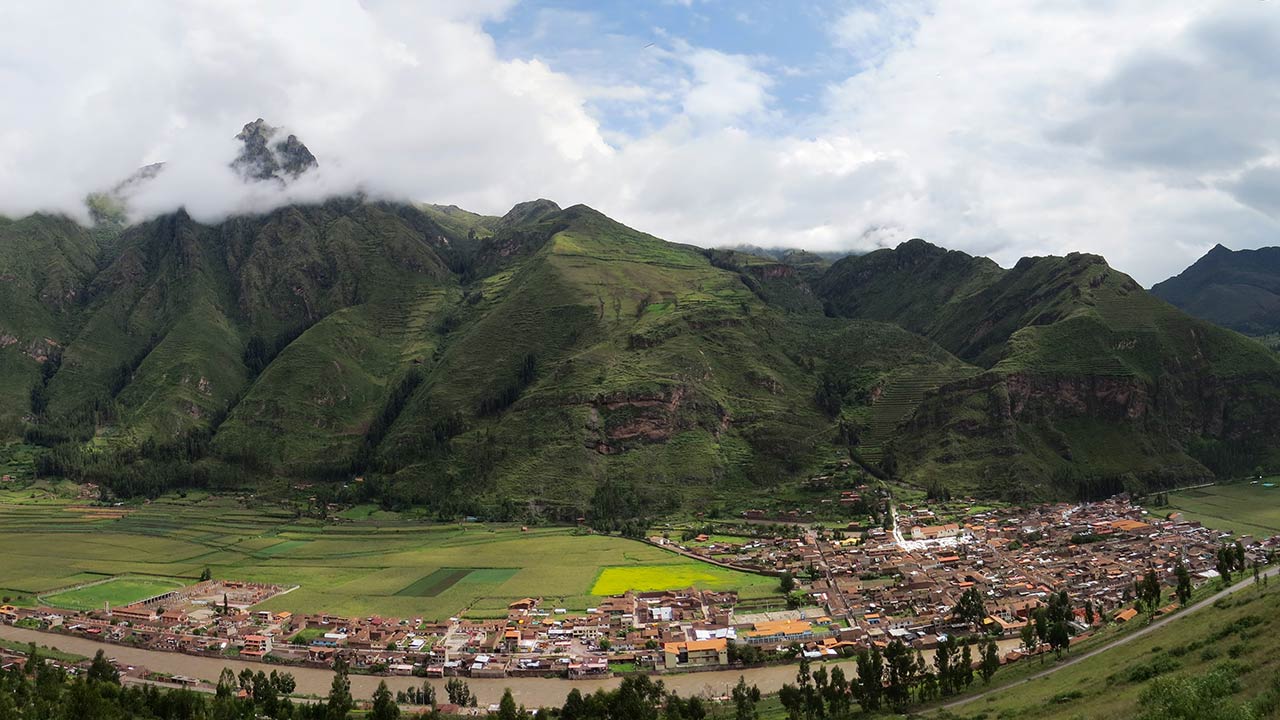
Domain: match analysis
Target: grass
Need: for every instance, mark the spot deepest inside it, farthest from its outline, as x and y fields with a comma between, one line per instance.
x=1235, y=630
x=435, y=583
x=394, y=567
x=116, y=591
x=1240, y=508
x=617, y=580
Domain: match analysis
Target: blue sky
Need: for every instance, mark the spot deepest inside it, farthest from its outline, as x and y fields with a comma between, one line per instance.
x=1144, y=132
x=639, y=43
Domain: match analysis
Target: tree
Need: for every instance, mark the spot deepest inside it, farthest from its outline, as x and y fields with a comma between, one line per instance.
x=1183, y=589
x=970, y=608
x=1042, y=627
x=384, y=707
x=33, y=659
x=990, y=661
x=786, y=583
x=283, y=682
x=459, y=692
x=339, y=703
x=206, y=575
x=1149, y=591
x=898, y=663
x=101, y=670
x=869, y=689
x=1028, y=635
x=1226, y=563
x=507, y=707
x=744, y=701
x=1089, y=617
x=942, y=661
x=965, y=670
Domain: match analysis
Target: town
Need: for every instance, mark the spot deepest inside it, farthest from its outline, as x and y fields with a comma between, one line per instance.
x=844, y=589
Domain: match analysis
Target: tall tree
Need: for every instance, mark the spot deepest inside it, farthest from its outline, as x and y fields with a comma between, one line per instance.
x=101, y=670
x=339, y=703
x=744, y=701
x=1183, y=589
x=990, y=660
x=385, y=707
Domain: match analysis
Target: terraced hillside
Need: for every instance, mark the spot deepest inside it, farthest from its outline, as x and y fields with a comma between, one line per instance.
x=897, y=403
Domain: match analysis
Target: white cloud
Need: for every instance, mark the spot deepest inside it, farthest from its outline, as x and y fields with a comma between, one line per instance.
x=725, y=88
x=1000, y=127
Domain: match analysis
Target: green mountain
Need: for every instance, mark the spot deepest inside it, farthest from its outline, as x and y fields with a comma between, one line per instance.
x=468, y=362
x=1237, y=289
x=1087, y=384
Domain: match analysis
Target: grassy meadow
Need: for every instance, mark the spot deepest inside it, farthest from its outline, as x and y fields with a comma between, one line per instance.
x=383, y=565
x=1240, y=508
x=1234, y=635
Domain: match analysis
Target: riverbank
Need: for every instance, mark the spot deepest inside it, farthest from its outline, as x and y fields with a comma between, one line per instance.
x=531, y=692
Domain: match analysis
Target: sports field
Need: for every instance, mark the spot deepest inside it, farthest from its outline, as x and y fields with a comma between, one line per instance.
x=376, y=564
x=116, y=591
x=1242, y=508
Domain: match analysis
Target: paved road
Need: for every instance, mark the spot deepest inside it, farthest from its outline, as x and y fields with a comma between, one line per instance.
x=1117, y=643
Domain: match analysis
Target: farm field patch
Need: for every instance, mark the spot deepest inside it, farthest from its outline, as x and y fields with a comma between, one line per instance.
x=376, y=566
x=616, y=580
x=1241, y=508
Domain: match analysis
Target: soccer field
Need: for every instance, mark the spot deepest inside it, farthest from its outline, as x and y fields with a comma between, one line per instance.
x=116, y=591
x=379, y=564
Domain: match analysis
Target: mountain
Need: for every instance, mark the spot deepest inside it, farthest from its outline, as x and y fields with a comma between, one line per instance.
x=1237, y=289
x=1086, y=381
x=473, y=363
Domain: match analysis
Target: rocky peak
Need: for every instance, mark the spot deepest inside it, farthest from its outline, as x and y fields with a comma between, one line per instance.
x=264, y=157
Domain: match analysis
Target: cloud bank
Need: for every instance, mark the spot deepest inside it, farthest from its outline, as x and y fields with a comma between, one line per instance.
x=1144, y=133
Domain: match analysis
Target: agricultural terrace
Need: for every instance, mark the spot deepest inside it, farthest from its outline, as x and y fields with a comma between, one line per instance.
x=379, y=564
x=1241, y=508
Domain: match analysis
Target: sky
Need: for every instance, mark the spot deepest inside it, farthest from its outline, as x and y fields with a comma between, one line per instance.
x=1143, y=131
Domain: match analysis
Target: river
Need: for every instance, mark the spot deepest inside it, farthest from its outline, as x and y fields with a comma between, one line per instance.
x=531, y=692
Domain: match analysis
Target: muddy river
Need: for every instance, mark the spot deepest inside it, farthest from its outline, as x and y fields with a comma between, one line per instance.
x=531, y=692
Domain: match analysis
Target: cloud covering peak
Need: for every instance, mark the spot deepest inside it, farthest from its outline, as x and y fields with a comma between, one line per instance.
x=1006, y=128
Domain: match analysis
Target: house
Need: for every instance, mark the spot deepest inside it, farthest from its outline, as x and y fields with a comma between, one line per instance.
x=256, y=646
x=1126, y=615
x=696, y=653
x=133, y=613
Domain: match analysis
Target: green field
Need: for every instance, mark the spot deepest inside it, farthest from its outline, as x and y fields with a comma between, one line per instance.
x=1241, y=508
x=385, y=565
x=117, y=591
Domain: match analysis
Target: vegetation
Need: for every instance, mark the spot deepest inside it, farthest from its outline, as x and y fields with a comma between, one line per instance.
x=492, y=367
x=1235, y=289
x=387, y=564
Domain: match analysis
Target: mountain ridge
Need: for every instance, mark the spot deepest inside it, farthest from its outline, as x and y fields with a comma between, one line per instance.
x=1237, y=289
x=456, y=359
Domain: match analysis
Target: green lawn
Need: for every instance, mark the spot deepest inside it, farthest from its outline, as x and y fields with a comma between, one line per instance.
x=393, y=567
x=1241, y=508
x=117, y=592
